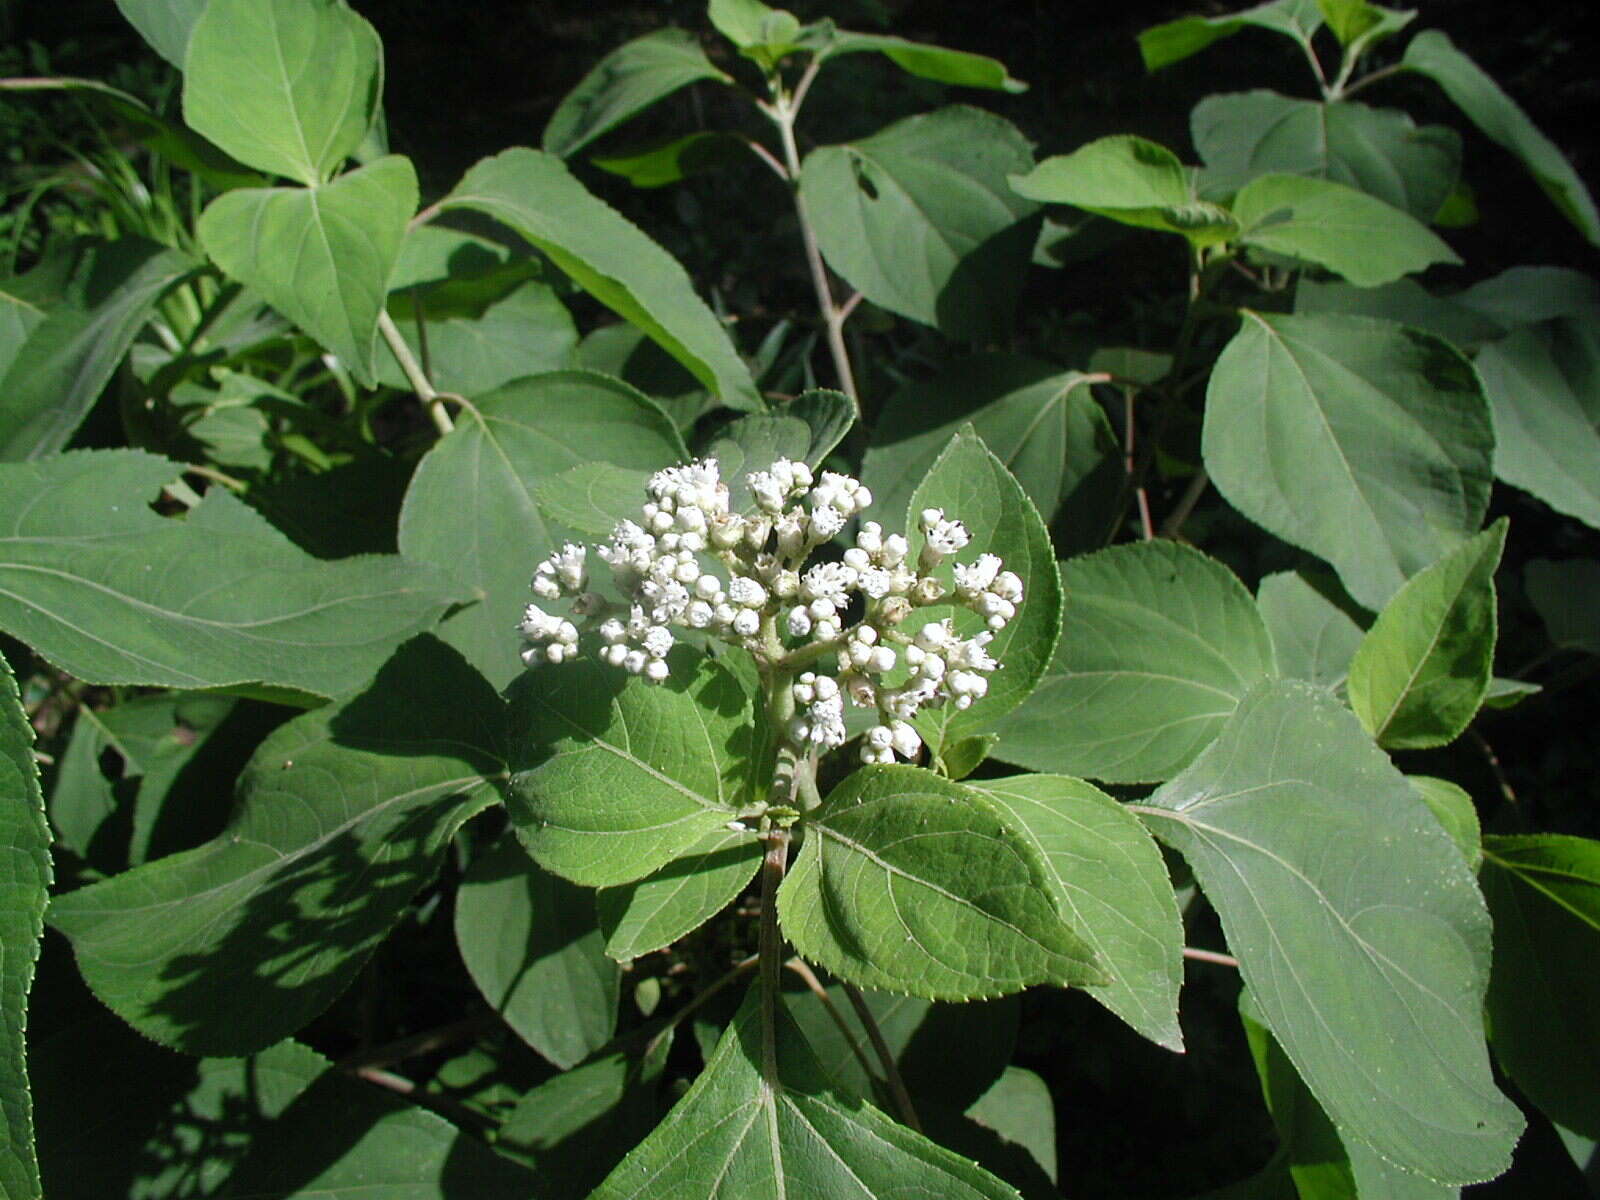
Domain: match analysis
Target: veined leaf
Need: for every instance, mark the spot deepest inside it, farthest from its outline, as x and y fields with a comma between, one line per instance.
x=322, y=255
x=24, y=890
x=744, y=1132
x=805, y=430
x=1158, y=644
x=100, y=585
x=910, y=883
x=959, y=68
x=1452, y=807
x=1357, y=924
x=525, y=332
x=610, y=259
x=623, y=84
x=1563, y=594
x=1363, y=442
x=1423, y=668
x=1314, y=633
x=289, y=86
x=1403, y=302
x=680, y=896
x=1111, y=885
x=615, y=777
x=1163, y=45
x=344, y=813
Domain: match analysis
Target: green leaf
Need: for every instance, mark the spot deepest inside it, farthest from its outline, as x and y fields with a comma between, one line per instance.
x=573, y=1129
x=1563, y=593
x=1366, y=443
x=1525, y=295
x=24, y=888
x=741, y=1133
x=919, y=218
x=1433, y=54
x=1544, y=396
x=661, y=163
x=590, y=498
x=764, y=35
x=322, y=256
x=471, y=509
x=1110, y=883
x=623, y=84
x=1042, y=423
x=1348, y=232
x=344, y=813
x=96, y=582
x=961, y=758
x=1423, y=668
x=806, y=430
x=1454, y=810
x=165, y=24
x=1314, y=632
x=66, y=356
x=610, y=259
x=910, y=883
x=1158, y=644
x=679, y=897
x=1020, y=1109
x=527, y=331
x=288, y=86
x=1544, y=893
x=1508, y=693
x=958, y=68
x=1403, y=302
x=1132, y=181
x=970, y=484
x=1163, y=45
x=616, y=777
x=1380, y=151
x=1357, y=924
x=530, y=943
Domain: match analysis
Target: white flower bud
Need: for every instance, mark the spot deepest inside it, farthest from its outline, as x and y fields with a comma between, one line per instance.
x=746, y=622
x=799, y=622
x=656, y=670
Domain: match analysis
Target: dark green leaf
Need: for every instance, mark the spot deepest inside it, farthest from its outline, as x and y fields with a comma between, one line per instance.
x=920, y=219
x=623, y=84
x=616, y=777
x=1500, y=117
x=1357, y=925
x=68, y=354
x=1162, y=45
x=1526, y=295
x=1404, y=302
x=957, y=67
x=1563, y=593
x=908, y=882
x=1314, y=631
x=1111, y=885
x=524, y=333
x=344, y=813
x=1454, y=810
x=609, y=258
x=1020, y=1109
x=1158, y=644
x=1363, y=442
x=1357, y=23
x=762, y=1135
x=106, y=589
x=679, y=897
x=668, y=162
x=289, y=86
x=531, y=945
x=322, y=256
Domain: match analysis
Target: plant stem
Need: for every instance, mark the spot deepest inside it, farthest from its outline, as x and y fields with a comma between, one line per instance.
x=891, y=1069
x=770, y=948
x=1371, y=78
x=216, y=476
x=420, y=383
x=683, y=1014
x=801, y=968
x=1191, y=496
x=1210, y=956
x=1128, y=464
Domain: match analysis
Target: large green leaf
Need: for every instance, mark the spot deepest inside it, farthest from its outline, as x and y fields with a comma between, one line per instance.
x=615, y=777
x=1158, y=644
x=1363, y=442
x=1040, y=421
x=1131, y=180
x=679, y=897
x=1543, y=383
x=612, y=260
x=289, y=86
x=530, y=943
x=165, y=24
x=1500, y=117
x=66, y=356
x=971, y=485
x=1563, y=593
x=1111, y=885
x=1544, y=893
x=1404, y=302
x=1347, y=231
x=1423, y=668
x=960, y=68
x=919, y=218
x=24, y=888
x=911, y=883
x=95, y=581
x=1357, y=924
x=806, y=429
x=1314, y=633
x=344, y=813
x=1162, y=45
x=624, y=83
x=322, y=256
x=1380, y=151
x=1525, y=295
x=472, y=509
x=751, y=1133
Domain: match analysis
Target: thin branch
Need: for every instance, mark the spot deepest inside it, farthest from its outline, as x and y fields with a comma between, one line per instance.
x=1128, y=464
x=444, y=1105
x=1191, y=496
x=418, y=1044
x=1493, y=760
x=770, y=946
x=420, y=383
x=807, y=78
x=768, y=157
x=849, y=306
x=1210, y=956
x=216, y=476
x=891, y=1069
x=683, y=1014
x=801, y=968
x=1373, y=77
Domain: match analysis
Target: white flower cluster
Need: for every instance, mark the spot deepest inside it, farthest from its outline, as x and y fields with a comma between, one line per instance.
x=766, y=599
